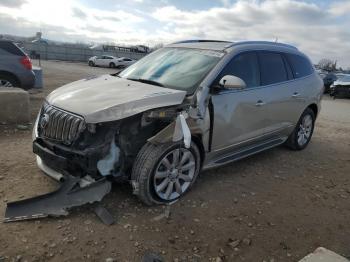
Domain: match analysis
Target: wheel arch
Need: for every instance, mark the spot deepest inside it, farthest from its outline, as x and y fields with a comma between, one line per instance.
x=197, y=139
x=314, y=108
x=6, y=73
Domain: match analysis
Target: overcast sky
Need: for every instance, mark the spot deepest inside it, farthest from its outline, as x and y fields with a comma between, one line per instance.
x=320, y=28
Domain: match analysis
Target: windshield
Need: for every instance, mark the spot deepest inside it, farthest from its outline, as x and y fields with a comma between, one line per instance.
x=176, y=68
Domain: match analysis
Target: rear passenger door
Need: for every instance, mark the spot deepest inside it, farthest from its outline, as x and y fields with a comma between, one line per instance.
x=302, y=88
x=276, y=76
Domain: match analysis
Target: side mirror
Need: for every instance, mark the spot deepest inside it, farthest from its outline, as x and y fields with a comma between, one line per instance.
x=232, y=82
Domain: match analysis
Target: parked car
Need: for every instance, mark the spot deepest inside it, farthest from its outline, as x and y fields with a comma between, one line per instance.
x=341, y=87
x=187, y=107
x=110, y=61
x=328, y=81
x=15, y=67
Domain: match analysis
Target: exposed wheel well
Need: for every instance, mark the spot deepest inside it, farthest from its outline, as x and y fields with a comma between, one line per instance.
x=5, y=73
x=314, y=108
x=197, y=139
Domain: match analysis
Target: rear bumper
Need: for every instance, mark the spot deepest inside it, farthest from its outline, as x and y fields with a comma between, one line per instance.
x=27, y=79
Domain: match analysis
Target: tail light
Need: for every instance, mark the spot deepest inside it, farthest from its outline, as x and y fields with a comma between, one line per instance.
x=25, y=61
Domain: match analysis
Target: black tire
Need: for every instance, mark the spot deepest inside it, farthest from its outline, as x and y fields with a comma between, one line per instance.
x=112, y=65
x=292, y=141
x=12, y=80
x=145, y=166
x=91, y=63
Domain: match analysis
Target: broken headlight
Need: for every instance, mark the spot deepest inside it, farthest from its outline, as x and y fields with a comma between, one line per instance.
x=166, y=114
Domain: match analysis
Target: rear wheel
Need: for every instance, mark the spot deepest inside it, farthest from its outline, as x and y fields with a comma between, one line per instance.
x=91, y=63
x=165, y=172
x=8, y=81
x=303, y=131
x=112, y=65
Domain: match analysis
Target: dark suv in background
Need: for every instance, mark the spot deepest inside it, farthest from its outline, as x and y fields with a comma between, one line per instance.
x=15, y=67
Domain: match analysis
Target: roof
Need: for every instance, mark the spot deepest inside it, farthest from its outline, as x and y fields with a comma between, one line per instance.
x=203, y=44
x=224, y=45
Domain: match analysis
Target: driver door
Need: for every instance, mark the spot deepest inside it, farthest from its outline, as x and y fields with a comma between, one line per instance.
x=241, y=116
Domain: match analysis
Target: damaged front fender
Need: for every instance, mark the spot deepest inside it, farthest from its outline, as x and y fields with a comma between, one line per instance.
x=184, y=127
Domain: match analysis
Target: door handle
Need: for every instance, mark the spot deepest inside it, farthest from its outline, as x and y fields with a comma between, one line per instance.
x=296, y=94
x=260, y=103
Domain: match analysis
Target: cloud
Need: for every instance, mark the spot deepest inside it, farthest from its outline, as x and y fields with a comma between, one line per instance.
x=111, y=18
x=315, y=30
x=78, y=13
x=12, y=3
x=318, y=30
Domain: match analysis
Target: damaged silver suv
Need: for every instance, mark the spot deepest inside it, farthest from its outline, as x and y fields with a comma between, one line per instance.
x=189, y=106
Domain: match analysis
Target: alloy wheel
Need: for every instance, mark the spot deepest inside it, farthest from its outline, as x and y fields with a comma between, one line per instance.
x=174, y=174
x=5, y=83
x=305, y=129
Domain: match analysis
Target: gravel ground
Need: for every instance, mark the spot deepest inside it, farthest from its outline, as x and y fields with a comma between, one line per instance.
x=278, y=205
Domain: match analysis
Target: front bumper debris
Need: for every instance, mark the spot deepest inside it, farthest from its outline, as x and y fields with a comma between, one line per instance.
x=70, y=194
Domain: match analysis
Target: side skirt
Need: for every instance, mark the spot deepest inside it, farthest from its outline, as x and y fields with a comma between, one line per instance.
x=245, y=152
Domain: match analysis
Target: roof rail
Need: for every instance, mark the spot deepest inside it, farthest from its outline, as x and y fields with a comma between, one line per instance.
x=200, y=41
x=261, y=42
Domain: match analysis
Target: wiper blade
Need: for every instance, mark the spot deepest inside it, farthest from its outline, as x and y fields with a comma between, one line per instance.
x=146, y=81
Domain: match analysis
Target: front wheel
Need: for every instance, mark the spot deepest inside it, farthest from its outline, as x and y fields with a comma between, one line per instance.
x=91, y=63
x=165, y=172
x=303, y=131
x=112, y=65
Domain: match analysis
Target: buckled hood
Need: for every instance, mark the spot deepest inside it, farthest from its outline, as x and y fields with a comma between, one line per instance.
x=110, y=98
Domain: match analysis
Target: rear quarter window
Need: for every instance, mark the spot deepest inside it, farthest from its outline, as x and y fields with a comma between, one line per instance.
x=11, y=48
x=300, y=65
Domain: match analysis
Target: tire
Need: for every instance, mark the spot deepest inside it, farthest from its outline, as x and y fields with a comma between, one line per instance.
x=91, y=63
x=149, y=162
x=302, y=133
x=112, y=65
x=8, y=81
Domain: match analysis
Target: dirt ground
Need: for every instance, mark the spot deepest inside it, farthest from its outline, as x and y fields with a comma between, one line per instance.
x=279, y=204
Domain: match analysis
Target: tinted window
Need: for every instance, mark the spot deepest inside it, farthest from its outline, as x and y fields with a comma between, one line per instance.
x=11, y=48
x=244, y=66
x=272, y=68
x=288, y=68
x=301, y=66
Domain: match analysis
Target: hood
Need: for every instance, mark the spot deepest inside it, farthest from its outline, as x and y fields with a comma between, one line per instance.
x=110, y=98
x=341, y=83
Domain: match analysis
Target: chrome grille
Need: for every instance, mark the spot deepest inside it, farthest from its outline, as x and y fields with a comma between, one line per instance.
x=59, y=125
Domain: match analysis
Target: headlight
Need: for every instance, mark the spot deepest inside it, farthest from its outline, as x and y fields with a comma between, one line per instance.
x=35, y=127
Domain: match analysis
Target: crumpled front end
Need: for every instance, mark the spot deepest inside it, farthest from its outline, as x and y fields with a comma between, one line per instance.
x=65, y=144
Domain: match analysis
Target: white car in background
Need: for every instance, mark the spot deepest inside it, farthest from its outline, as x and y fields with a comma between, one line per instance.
x=110, y=61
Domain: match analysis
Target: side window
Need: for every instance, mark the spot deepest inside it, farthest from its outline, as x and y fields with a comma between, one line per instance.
x=244, y=66
x=272, y=68
x=301, y=66
x=288, y=68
